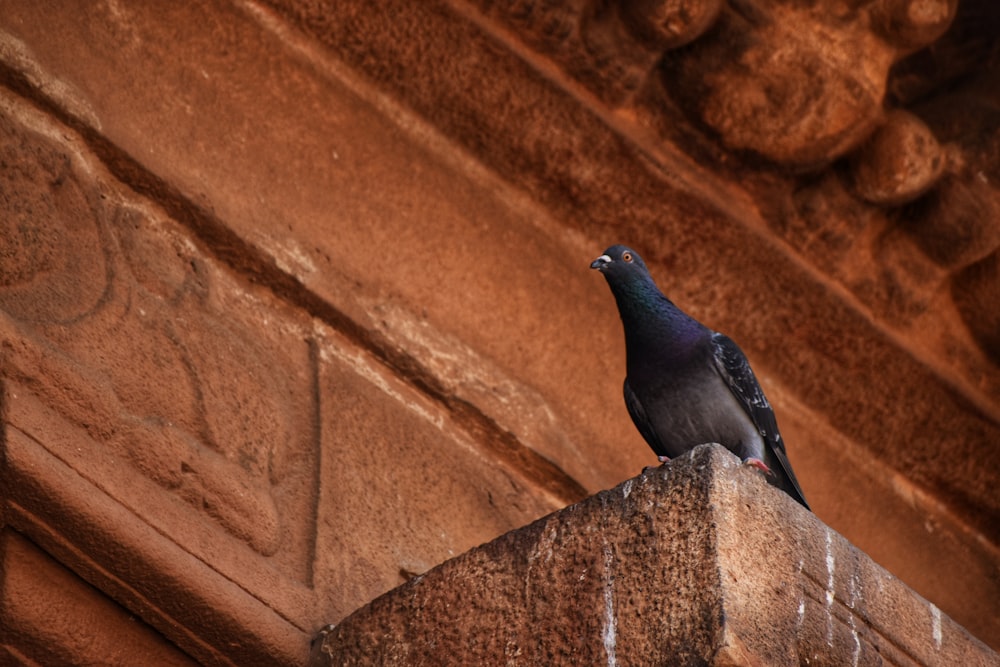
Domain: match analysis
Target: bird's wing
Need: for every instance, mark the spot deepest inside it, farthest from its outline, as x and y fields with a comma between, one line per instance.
x=641, y=420
x=732, y=365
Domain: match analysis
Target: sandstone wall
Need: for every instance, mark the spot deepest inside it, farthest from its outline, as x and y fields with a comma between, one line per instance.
x=295, y=304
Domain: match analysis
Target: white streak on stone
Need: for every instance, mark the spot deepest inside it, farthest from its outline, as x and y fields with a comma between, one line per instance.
x=290, y=257
x=830, y=564
x=610, y=622
x=936, y=625
x=368, y=369
x=802, y=601
x=333, y=346
x=627, y=489
x=852, y=589
x=470, y=376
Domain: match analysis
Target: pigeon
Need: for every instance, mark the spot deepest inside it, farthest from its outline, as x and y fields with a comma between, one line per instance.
x=686, y=384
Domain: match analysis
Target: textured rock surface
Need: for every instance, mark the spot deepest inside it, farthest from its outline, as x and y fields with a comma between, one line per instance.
x=53, y=617
x=284, y=284
x=697, y=562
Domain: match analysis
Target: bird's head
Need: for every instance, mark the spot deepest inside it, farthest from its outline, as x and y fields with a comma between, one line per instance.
x=619, y=263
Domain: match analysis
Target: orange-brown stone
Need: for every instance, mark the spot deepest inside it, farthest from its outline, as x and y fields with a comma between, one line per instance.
x=294, y=303
x=696, y=562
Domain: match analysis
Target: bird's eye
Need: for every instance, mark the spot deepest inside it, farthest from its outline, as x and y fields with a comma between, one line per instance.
x=626, y=256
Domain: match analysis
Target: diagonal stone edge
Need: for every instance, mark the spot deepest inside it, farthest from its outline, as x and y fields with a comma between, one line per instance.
x=126, y=557
x=794, y=591
x=562, y=589
x=699, y=561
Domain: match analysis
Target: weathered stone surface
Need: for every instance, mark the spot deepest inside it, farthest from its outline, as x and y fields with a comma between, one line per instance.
x=345, y=212
x=794, y=83
x=976, y=290
x=960, y=225
x=282, y=285
x=899, y=162
x=593, y=42
x=673, y=229
x=668, y=24
x=697, y=562
x=913, y=23
x=140, y=411
x=49, y=616
x=955, y=225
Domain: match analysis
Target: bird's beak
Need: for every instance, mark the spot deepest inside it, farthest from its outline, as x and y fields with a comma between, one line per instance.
x=600, y=262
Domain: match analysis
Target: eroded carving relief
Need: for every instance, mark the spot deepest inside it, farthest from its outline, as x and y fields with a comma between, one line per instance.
x=113, y=319
x=588, y=39
x=888, y=172
x=958, y=223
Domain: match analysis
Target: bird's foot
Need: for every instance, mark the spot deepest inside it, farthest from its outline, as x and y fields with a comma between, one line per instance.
x=757, y=463
x=324, y=631
x=664, y=460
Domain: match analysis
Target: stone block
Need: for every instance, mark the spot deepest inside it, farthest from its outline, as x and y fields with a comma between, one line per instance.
x=372, y=223
x=49, y=616
x=195, y=447
x=322, y=275
x=696, y=562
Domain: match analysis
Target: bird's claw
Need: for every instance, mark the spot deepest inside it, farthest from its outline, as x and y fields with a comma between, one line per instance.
x=760, y=465
x=664, y=460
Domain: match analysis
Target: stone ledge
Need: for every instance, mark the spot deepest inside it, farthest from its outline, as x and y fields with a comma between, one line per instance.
x=698, y=562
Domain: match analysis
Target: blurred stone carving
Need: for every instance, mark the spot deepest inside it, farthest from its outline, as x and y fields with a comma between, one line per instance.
x=668, y=24
x=912, y=24
x=120, y=325
x=799, y=84
x=899, y=162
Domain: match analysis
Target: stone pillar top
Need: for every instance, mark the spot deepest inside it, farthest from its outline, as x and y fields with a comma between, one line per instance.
x=695, y=562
